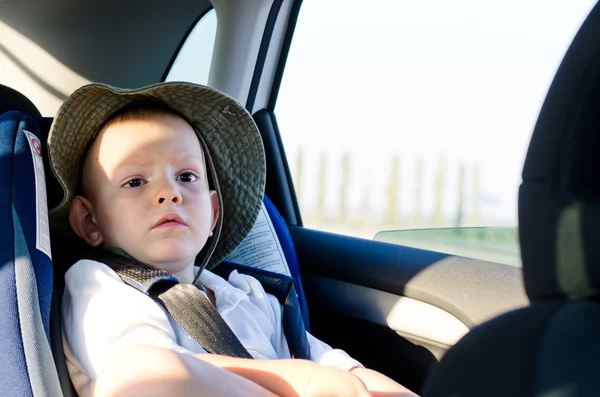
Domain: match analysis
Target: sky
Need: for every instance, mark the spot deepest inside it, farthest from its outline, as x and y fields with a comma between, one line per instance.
x=448, y=83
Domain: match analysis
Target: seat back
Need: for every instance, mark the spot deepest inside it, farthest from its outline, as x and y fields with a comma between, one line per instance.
x=269, y=247
x=25, y=265
x=550, y=348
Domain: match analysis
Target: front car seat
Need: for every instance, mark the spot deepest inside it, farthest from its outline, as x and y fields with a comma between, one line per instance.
x=551, y=348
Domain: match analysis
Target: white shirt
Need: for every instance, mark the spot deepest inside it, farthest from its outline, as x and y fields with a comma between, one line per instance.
x=102, y=314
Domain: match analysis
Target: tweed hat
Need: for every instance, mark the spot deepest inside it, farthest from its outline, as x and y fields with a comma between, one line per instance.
x=230, y=139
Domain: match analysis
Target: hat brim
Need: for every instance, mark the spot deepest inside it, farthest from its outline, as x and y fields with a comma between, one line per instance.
x=231, y=136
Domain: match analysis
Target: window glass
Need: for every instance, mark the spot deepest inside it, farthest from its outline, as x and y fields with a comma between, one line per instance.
x=193, y=61
x=417, y=114
x=493, y=244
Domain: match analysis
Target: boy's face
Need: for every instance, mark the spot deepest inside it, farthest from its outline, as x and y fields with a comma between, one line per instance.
x=146, y=189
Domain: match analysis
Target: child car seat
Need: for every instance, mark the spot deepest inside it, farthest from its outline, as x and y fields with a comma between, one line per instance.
x=25, y=266
x=27, y=374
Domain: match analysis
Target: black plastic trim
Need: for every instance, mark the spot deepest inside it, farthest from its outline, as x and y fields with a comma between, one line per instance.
x=285, y=49
x=185, y=37
x=279, y=186
x=56, y=337
x=262, y=52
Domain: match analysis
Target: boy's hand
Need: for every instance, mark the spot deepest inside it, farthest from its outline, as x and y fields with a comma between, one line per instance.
x=325, y=381
x=380, y=385
x=293, y=377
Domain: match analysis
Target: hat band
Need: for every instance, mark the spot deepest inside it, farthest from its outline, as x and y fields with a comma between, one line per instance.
x=219, y=225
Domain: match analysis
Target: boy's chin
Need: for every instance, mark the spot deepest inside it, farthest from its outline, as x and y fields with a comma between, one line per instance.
x=168, y=259
x=173, y=265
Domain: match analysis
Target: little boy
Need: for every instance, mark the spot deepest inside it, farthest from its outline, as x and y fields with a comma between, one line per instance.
x=172, y=176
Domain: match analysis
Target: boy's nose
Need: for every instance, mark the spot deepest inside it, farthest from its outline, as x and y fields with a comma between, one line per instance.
x=170, y=197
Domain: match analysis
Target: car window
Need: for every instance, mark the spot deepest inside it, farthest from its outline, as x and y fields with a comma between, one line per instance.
x=401, y=115
x=194, y=58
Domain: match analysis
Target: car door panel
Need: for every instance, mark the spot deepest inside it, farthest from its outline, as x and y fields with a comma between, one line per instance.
x=398, y=309
x=471, y=290
x=406, y=316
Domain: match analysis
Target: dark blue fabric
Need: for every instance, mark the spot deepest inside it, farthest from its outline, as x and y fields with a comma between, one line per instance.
x=285, y=239
x=567, y=362
x=549, y=349
x=498, y=358
x=14, y=379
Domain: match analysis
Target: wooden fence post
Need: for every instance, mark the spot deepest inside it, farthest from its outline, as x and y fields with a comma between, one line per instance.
x=474, y=216
x=321, y=189
x=393, y=187
x=417, y=218
x=344, y=186
x=298, y=178
x=438, y=219
x=461, y=197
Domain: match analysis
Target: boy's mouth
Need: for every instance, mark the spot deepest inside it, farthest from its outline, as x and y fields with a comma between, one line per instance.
x=169, y=220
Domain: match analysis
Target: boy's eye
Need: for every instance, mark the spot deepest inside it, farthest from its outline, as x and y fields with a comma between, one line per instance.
x=187, y=177
x=134, y=183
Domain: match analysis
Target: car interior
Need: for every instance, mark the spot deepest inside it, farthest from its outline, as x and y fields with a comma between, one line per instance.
x=440, y=324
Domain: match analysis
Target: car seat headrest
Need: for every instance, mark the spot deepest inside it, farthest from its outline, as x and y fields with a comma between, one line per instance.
x=10, y=99
x=559, y=199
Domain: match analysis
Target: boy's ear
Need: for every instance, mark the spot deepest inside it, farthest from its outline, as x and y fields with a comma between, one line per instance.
x=83, y=221
x=214, y=201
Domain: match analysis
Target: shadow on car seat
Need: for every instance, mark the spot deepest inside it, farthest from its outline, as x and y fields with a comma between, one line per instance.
x=550, y=348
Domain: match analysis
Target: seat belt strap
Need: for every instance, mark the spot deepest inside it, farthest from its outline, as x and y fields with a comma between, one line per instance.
x=198, y=317
x=184, y=302
x=283, y=288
